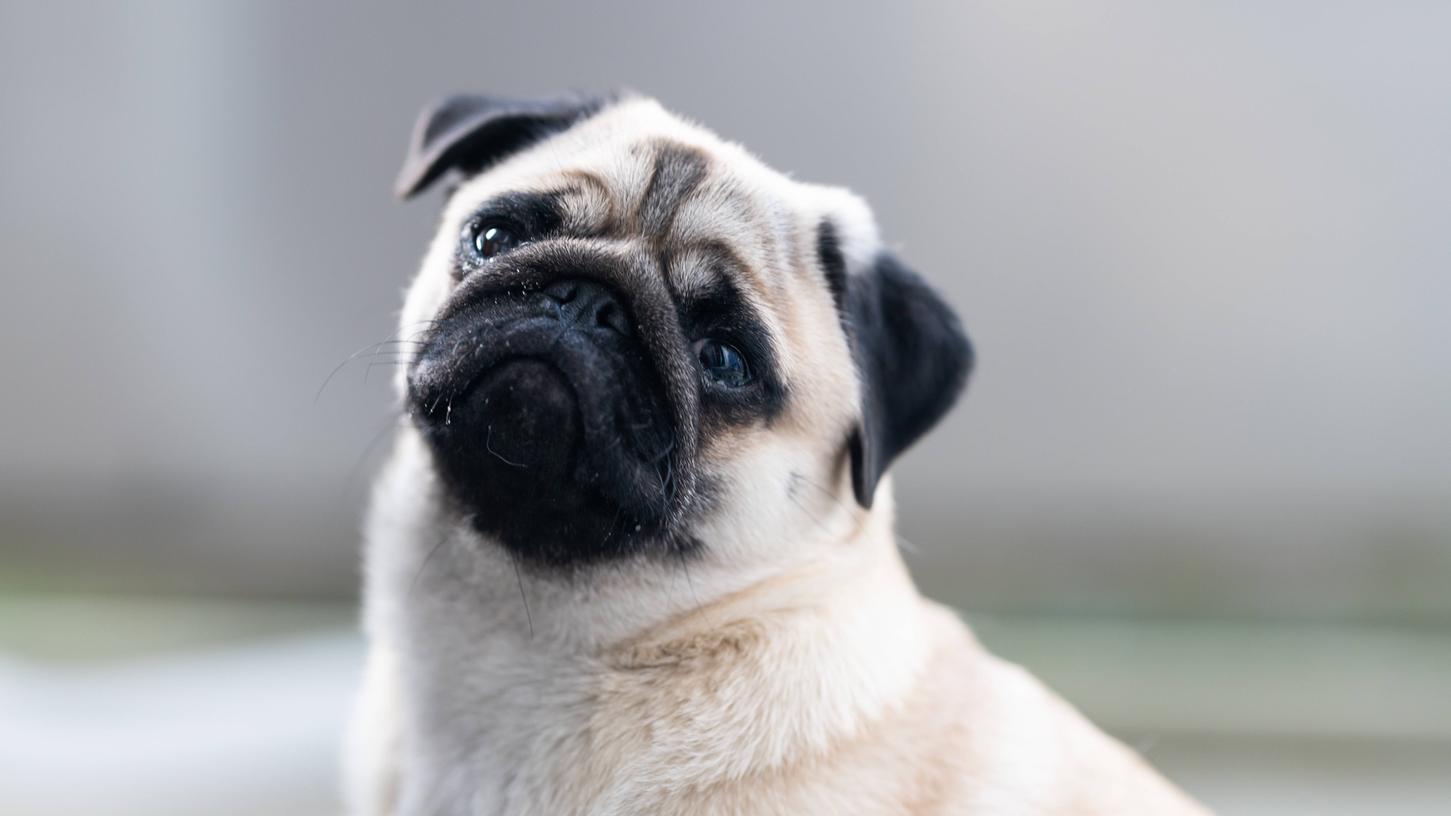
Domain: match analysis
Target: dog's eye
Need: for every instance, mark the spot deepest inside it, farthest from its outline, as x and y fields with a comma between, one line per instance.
x=493, y=239
x=723, y=363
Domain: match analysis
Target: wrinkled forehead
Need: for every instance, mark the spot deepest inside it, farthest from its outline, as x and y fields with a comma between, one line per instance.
x=637, y=176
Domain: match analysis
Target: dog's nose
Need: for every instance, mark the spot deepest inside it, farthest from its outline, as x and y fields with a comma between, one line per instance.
x=589, y=305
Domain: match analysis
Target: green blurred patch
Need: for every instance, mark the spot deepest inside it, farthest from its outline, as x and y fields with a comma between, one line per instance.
x=89, y=628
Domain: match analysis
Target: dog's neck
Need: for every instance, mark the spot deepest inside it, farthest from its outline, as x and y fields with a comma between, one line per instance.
x=493, y=659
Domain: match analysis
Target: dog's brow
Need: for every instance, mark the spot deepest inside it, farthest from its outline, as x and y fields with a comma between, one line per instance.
x=587, y=203
x=538, y=212
x=678, y=171
x=699, y=267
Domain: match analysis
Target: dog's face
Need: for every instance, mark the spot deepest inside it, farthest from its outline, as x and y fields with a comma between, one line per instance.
x=635, y=339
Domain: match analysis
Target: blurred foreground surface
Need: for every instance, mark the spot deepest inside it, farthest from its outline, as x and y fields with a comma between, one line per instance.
x=235, y=709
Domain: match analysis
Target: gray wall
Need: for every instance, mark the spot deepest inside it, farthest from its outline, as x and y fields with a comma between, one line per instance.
x=1202, y=249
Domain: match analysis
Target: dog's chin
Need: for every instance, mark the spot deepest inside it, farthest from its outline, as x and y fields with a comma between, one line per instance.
x=559, y=450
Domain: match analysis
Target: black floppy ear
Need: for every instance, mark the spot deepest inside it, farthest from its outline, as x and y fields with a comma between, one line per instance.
x=468, y=133
x=912, y=358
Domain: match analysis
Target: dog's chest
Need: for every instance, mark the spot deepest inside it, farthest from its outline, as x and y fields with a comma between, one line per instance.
x=506, y=733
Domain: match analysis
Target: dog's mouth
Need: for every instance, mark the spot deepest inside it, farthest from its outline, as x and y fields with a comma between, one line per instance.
x=547, y=420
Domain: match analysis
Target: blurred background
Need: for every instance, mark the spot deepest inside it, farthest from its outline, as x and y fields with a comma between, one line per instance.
x=1201, y=482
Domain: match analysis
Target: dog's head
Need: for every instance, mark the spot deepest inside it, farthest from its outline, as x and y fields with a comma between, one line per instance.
x=633, y=336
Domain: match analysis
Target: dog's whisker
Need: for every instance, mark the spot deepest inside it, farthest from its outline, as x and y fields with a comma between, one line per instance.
x=331, y=374
x=370, y=350
x=858, y=515
x=355, y=472
x=519, y=579
x=386, y=363
x=809, y=513
x=855, y=512
x=423, y=565
x=682, y=558
x=489, y=445
x=610, y=530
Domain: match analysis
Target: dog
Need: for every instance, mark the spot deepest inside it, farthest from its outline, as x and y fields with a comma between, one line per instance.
x=633, y=549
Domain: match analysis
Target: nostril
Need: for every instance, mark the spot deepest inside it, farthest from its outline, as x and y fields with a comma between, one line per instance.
x=609, y=315
x=589, y=305
x=562, y=291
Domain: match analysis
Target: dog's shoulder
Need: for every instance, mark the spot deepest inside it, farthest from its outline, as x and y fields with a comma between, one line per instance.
x=1007, y=743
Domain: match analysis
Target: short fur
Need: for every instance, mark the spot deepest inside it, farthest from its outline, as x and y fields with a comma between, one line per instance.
x=780, y=662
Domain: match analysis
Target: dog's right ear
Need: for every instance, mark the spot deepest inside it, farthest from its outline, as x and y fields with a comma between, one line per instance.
x=468, y=133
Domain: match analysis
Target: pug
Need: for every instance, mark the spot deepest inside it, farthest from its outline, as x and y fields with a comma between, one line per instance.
x=633, y=550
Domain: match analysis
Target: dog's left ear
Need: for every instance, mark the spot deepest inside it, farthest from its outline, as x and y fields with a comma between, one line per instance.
x=912, y=358
x=468, y=133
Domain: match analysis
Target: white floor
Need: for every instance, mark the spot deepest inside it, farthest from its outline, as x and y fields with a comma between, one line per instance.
x=245, y=731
